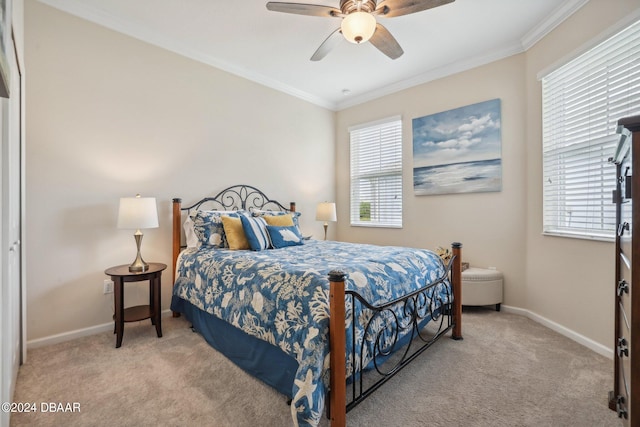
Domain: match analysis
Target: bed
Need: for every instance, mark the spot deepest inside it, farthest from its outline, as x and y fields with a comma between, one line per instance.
x=278, y=307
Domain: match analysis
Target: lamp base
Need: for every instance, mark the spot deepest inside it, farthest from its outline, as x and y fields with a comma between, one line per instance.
x=138, y=265
x=138, y=268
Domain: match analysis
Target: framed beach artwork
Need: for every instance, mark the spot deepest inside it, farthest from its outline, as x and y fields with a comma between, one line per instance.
x=458, y=151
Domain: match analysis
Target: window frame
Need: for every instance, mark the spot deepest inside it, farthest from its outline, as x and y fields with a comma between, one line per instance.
x=383, y=213
x=582, y=101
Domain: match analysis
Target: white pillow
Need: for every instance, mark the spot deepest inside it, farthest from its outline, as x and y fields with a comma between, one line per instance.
x=189, y=234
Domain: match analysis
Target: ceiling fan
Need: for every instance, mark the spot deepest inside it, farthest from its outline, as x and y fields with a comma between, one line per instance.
x=359, y=21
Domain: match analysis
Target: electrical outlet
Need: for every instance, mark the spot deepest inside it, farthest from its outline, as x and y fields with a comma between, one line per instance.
x=108, y=286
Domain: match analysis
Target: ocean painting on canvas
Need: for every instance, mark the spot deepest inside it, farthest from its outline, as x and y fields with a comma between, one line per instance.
x=458, y=151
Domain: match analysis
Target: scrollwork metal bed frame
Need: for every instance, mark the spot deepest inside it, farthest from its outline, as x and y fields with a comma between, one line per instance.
x=415, y=306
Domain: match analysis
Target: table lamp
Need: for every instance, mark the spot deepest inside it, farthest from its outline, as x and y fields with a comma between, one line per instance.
x=137, y=213
x=326, y=211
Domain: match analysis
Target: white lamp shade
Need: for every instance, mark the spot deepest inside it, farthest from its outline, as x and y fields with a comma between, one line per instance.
x=326, y=211
x=358, y=27
x=138, y=212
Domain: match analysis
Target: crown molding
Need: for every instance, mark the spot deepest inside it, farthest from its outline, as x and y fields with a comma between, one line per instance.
x=557, y=17
x=137, y=31
x=435, y=74
x=612, y=30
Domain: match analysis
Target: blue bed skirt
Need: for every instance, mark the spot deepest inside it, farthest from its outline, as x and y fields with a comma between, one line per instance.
x=255, y=356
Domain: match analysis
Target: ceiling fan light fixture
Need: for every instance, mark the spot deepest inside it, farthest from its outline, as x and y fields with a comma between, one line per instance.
x=358, y=27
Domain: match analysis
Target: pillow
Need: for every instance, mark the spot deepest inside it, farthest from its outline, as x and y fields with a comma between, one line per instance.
x=294, y=215
x=208, y=228
x=281, y=237
x=279, y=220
x=255, y=228
x=234, y=232
x=189, y=234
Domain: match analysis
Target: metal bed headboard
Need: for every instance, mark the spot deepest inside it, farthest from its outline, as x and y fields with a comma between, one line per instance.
x=239, y=197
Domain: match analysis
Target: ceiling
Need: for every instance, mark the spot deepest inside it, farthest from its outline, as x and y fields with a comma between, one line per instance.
x=271, y=48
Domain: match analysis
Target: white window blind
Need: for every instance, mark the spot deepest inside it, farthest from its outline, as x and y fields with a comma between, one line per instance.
x=376, y=173
x=582, y=102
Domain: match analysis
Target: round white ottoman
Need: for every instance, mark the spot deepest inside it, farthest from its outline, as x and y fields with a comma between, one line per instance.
x=481, y=286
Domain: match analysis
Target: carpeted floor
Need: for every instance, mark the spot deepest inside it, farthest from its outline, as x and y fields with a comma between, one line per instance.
x=508, y=371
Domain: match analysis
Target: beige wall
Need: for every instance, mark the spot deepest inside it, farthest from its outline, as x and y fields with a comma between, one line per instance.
x=489, y=225
x=557, y=280
x=569, y=281
x=109, y=116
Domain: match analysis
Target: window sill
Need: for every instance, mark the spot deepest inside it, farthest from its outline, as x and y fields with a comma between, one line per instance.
x=373, y=225
x=579, y=236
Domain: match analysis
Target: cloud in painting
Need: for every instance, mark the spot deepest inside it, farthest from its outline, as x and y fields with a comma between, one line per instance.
x=460, y=135
x=458, y=151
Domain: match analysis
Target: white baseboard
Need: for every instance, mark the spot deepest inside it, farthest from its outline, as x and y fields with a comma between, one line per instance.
x=78, y=333
x=579, y=338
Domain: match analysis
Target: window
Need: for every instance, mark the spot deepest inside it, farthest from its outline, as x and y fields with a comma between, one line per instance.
x=376, y=173
x=582, y=102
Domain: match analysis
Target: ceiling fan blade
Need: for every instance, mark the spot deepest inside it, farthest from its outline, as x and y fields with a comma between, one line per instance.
x=304, y=9
x=386, y=43
x=391, y=8
x=327, y=45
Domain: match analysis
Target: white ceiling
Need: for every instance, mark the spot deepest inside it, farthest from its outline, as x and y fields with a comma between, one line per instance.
x=244, y=38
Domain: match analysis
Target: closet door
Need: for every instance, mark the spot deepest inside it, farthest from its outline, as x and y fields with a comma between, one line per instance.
x=11, y=291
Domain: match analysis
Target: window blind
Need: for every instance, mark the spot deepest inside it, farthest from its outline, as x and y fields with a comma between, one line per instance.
x=581, y=104
x=376, y=173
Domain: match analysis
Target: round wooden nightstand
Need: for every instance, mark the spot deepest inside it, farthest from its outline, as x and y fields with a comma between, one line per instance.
x=121, y=274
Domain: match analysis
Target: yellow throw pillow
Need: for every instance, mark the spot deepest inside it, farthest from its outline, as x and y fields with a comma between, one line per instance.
x=279, y=220
x=235, y=233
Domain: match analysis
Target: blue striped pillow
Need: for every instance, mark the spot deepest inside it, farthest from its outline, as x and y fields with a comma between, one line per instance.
x=255, y=228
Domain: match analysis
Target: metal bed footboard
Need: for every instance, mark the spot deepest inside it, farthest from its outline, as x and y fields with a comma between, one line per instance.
x=407, y=313
x=398, y=332
x=403, y=325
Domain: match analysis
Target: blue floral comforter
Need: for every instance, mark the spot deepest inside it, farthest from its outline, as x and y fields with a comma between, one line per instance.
x=282, y=296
